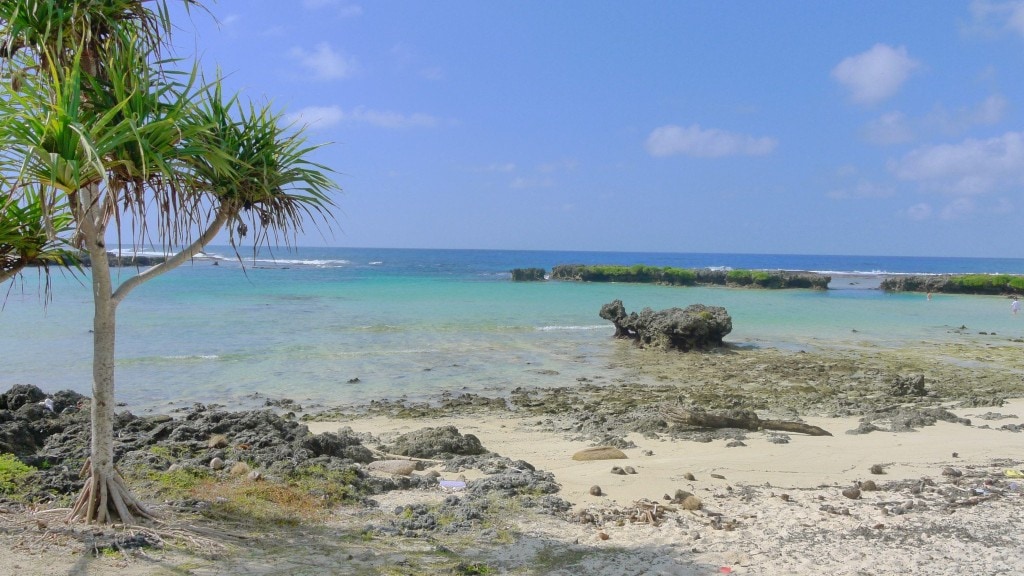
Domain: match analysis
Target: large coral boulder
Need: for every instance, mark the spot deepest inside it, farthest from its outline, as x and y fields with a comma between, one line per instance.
x=697, y=326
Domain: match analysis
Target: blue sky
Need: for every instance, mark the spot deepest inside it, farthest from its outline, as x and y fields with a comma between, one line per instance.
x=867, y=127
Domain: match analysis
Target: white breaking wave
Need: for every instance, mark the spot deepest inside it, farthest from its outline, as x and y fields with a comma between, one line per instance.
x=314, y=263
x=553, y=328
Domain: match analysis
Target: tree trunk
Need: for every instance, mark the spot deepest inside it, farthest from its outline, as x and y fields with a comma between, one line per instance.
x=104, y=497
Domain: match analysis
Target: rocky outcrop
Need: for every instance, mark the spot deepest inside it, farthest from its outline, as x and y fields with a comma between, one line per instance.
x=774, y=279
x=444, y=441
x=528, y=274
x=116, y=260
x=992, y=284
x=695, y=327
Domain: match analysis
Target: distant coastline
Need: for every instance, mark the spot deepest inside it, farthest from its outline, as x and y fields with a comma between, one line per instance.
x=976, y=284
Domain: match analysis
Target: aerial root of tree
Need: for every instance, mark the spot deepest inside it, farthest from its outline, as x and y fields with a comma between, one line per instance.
x=745, y=421
x=105, y=498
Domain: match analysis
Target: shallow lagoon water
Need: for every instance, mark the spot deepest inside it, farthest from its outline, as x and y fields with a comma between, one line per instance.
x=339, y=326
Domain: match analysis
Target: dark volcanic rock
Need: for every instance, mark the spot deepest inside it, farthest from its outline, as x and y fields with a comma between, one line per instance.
x=19, y=395
x=695, y=327
x=436, y=442
x=528, y=274
x=345, y=444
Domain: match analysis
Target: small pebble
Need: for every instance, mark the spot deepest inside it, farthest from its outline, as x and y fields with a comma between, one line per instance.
x=618, y=470
x=595, y=491
x=629, y=470
x=852, y=493
x=877, y=469
x=689, y=476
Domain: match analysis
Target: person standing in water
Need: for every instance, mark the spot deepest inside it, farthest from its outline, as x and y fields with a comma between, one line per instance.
x=1015, y=305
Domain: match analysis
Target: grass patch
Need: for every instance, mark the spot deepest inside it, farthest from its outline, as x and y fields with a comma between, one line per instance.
x=331, y=487
x=261, y=503
x=14, y=475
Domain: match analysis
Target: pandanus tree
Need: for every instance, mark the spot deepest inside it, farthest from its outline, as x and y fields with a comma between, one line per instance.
x=118, y=139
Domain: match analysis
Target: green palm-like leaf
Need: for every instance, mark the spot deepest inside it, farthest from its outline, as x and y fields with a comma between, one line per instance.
x=32, y=233
x=270, y=183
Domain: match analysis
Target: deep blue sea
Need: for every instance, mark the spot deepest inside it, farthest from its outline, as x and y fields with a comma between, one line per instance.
x=349, y=325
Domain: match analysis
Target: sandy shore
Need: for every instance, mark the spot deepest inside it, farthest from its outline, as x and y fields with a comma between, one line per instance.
x=773, y=508
x=804, y=462
x=948, y=500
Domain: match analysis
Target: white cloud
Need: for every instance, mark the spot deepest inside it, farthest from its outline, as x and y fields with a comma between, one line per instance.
x=344, y=10
x=957, y=208
x=887, y=129
x=875, y=75
x=324, y=116
x=994, y=16
x=970, y=167
x=695, y=141
x=324, y=62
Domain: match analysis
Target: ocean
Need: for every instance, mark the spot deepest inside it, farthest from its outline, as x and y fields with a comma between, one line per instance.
x=338, y=326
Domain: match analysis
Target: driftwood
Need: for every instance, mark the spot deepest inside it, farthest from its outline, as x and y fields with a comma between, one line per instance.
x=744, y=420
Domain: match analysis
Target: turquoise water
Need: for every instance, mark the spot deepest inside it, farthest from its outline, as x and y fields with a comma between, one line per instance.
x=336, y=326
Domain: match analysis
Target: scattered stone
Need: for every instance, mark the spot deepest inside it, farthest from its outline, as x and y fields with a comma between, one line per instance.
x=217, y=441
x=877, y=469
x=951, y=472
x=629, y=470
x=680, y=496
x=912, y=385
x=689, y=476
x=216, y=464
x=735, y=444
x=602, y=535
x=692, y=503
x=595, y=490
x=868, y=486
x=718, y=476
x=618, y=470
x=397, y=467
x=852, y=493
x=599, y=453
x=444, y=441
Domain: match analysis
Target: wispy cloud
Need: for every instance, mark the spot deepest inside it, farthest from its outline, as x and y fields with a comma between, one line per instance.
x=921, y=211
x=671, y=140
x=989, y=17
x=324, y=62
x=896, y=128
x=956, y=121
x=968, y=168
x=887, y=129
x=875, y=75
x=326, y=116
x=862, y=190
x=342, y=9
x=523, y=183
